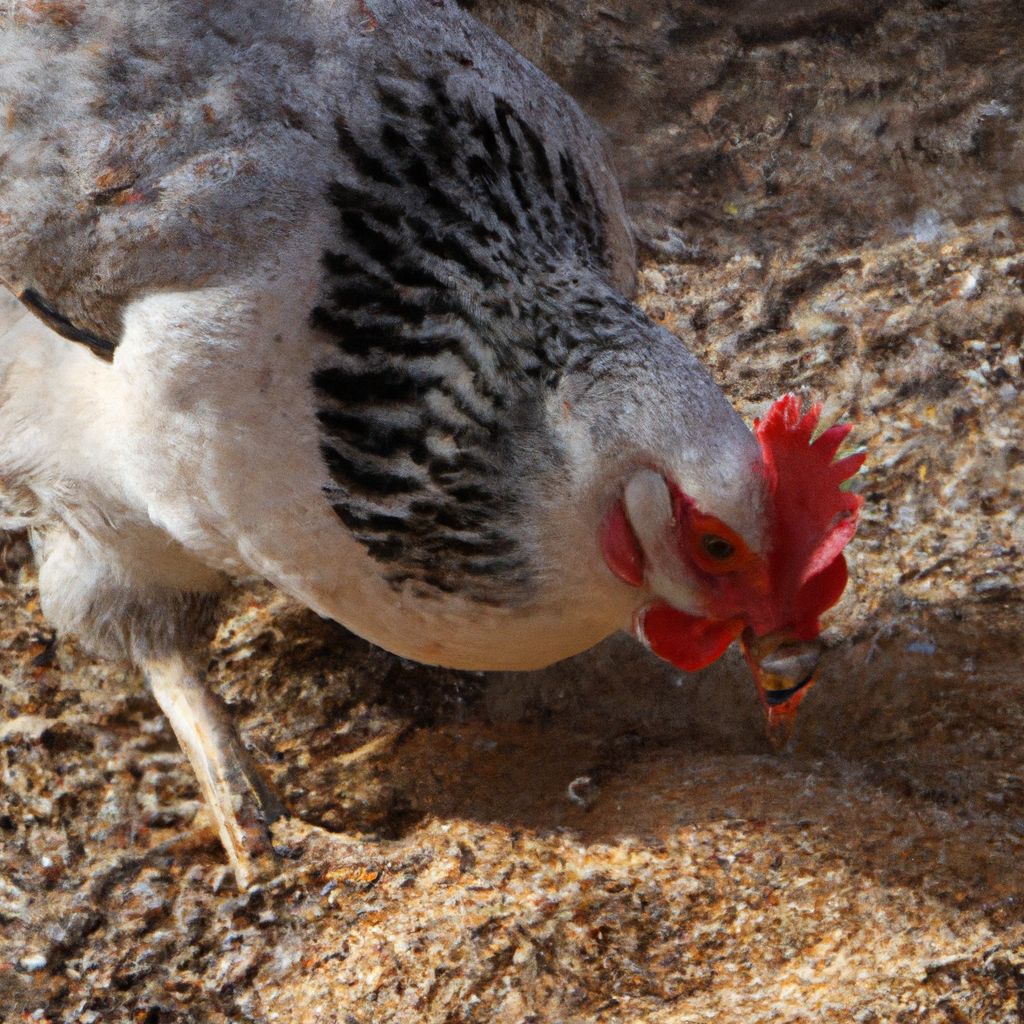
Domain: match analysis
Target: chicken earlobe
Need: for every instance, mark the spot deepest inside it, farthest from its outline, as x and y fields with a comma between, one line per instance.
x=242, y=803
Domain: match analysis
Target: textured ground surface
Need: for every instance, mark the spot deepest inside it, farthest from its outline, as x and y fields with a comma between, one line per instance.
x=833, y=202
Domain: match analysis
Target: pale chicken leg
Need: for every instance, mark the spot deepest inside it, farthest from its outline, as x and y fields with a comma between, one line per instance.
x=243, y=805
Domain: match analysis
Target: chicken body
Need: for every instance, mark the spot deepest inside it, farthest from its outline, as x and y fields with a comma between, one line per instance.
x=334, y=293
x=402, y=384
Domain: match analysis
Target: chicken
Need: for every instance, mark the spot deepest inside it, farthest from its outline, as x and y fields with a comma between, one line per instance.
x=337, y=293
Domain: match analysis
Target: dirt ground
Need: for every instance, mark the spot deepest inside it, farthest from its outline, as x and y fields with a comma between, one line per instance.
x=831, y=200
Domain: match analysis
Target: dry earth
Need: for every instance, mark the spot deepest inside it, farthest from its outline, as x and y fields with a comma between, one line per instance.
x=832, y=201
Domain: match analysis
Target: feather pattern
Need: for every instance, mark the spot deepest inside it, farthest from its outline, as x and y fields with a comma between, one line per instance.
x=458, y=230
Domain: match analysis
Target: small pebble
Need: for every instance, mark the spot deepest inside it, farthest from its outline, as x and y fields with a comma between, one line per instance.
x=994, y=586
x=965, y=285
x=35, y=962
x=583, y=792
x=655, y=280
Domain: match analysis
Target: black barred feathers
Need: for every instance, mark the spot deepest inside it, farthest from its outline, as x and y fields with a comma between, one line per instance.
x=442, y=300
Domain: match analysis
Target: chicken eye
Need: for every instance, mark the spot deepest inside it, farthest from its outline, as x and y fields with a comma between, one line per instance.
x=717, y=547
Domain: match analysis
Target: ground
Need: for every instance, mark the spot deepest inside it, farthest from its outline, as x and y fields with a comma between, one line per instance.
x=830, y=201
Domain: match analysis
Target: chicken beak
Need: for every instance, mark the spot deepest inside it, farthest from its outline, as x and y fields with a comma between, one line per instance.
x=783, y=670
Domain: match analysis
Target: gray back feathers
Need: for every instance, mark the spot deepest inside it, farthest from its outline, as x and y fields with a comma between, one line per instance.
x=147, y=145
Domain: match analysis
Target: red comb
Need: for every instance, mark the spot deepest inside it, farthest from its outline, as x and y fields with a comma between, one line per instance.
x=813, y=520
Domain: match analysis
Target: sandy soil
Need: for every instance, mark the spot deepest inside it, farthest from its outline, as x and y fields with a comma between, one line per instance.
x=831, y=202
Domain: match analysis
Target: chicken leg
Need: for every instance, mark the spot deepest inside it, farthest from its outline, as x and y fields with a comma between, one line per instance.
x=243, y=805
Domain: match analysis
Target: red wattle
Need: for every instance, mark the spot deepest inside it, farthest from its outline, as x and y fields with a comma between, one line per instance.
x=688, y=642
x=621, y=549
